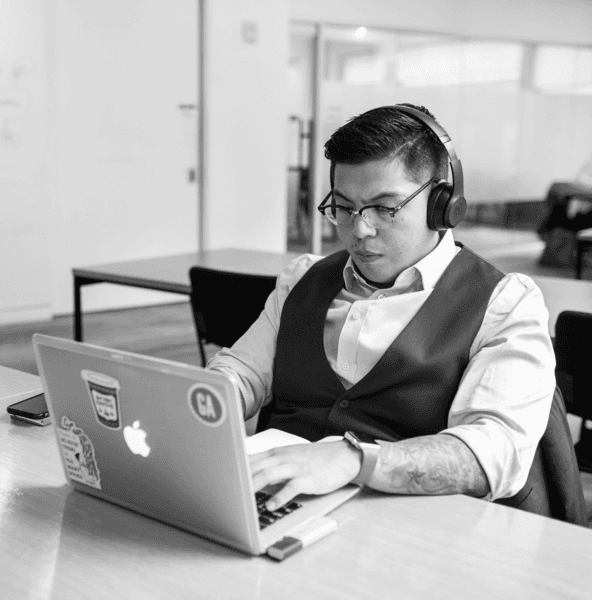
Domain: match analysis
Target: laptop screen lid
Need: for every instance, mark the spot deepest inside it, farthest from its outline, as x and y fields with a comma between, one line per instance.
x=158, y=437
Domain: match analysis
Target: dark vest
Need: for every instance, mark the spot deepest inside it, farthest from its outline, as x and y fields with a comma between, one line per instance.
x=409, y=391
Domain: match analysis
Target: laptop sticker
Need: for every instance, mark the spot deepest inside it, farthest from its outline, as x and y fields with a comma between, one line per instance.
x=104, y=394
x=79, y=454
x=205, y=403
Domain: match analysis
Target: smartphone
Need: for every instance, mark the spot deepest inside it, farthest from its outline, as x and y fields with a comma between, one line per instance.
x=33, y=410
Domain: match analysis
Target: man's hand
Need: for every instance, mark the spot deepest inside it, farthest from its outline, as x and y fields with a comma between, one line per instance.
x=317, y=468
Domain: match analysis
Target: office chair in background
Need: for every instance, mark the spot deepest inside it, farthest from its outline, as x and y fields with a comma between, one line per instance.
x=573, y=335
x=225, y=305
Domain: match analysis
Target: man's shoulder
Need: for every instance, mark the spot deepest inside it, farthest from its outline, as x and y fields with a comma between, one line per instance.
x=294, y=272
x=517, y=290
x=304, y=264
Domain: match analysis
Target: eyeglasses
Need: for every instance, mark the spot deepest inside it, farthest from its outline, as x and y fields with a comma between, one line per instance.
x=375, y=215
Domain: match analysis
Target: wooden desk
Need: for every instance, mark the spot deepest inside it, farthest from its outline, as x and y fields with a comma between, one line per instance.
x=564, y=294
x=171, y=273
x=60, y=544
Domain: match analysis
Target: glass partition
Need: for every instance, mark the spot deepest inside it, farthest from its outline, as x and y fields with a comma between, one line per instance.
x=519, y=115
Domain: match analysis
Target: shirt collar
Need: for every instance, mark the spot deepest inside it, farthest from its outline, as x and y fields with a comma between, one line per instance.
x=426, y=271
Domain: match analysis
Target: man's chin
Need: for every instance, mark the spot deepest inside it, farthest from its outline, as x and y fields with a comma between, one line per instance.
x=372, y=271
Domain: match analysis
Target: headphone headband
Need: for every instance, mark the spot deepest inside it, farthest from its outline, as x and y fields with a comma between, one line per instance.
x=455, y=165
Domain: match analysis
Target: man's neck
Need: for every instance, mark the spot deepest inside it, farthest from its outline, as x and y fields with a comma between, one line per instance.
x=377, y=284
x=387, y=284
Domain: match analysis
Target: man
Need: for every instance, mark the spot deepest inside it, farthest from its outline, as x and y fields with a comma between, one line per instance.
x=406, y=338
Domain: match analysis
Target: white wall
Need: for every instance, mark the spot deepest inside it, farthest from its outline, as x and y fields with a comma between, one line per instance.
x=568, y=21
x=24, y=209
x=245, y=110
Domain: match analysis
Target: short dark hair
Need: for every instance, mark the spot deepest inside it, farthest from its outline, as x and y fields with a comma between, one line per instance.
x=386, y=132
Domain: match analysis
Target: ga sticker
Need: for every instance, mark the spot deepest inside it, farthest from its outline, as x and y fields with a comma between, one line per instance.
x=79, y=454
x=206, y=405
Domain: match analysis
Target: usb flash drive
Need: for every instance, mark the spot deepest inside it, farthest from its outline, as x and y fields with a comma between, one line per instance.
x=302, y=537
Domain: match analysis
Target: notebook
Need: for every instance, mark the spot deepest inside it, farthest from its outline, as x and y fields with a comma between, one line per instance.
x=16, y=385
x=163, y=439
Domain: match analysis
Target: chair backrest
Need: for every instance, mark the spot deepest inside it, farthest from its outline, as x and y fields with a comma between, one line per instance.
x=573, y=343
x=553, y=487
x=226, y=304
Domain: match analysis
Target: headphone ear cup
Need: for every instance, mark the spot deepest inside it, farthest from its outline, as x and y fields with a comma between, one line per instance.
x=455, y=212
x=437, y=205
x=445, y=212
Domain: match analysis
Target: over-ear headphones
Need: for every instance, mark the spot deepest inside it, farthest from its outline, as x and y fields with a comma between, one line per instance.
x=446, y=203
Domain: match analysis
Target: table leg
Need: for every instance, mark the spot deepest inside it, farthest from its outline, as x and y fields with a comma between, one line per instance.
x=78, y=283
x=579, y=252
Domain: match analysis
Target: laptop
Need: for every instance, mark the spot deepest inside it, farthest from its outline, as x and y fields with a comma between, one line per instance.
x=163, y=439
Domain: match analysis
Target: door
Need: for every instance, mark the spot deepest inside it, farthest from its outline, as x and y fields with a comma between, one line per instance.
x=125, y=84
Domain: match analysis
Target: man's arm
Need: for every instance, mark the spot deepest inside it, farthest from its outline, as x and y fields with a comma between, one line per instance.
x=249, y=363
x=432, y=464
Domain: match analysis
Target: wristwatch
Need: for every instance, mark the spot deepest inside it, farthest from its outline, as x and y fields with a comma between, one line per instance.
x=369, y=457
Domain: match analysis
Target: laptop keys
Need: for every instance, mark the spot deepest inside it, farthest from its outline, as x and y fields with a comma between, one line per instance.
x=267, y=517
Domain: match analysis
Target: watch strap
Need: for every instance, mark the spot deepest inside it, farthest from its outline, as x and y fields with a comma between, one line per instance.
x=369, y=458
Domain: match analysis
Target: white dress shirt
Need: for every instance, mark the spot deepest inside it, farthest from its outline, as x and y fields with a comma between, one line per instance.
x=502, y=404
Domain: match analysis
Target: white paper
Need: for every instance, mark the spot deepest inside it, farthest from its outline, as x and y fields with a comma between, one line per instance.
x=272, y=438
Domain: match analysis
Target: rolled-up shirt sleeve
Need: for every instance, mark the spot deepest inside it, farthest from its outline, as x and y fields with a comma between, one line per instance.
x=502, y=405
x=249, y=362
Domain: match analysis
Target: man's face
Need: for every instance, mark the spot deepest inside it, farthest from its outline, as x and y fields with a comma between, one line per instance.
x=380, y=255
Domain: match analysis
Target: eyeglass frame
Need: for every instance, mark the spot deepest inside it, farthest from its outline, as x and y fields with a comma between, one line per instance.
x=391, y=211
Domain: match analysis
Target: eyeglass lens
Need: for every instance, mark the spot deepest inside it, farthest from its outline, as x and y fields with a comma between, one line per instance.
x=343, y=217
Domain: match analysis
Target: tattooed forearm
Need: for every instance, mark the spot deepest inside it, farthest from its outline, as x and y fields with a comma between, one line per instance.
x=433, y=464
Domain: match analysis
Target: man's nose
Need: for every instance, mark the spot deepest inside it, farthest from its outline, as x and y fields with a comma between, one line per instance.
x=362, y=229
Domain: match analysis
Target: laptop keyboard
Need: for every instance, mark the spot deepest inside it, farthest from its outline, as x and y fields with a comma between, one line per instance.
x=267, y=517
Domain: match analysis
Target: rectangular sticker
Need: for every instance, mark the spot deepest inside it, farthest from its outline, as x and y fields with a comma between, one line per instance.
x=79, y=454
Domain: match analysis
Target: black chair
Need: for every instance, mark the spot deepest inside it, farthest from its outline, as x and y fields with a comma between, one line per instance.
x=573, y=333
x=226, y=304
x=553, y=487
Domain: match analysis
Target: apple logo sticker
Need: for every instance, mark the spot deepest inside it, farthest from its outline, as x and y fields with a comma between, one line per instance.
x=206, y=405
x=135, y=438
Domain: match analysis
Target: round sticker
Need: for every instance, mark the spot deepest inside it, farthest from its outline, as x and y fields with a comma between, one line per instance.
x=206, y=405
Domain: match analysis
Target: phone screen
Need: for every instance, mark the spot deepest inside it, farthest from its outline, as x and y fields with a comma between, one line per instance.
x=32, y=408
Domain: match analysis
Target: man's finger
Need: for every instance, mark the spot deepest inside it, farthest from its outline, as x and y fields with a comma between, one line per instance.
x=273, y=475
x=287, y=493
x=262, y=463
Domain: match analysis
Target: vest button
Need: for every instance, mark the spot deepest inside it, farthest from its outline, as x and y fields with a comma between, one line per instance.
x=344, y=403
x=345, y=366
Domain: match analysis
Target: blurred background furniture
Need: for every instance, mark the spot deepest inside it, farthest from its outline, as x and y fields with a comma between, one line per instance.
x=170, y=273
x=573, y=332
x=570, y=211
x=583, y=244
x=226, y=304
